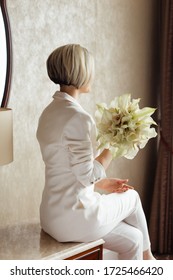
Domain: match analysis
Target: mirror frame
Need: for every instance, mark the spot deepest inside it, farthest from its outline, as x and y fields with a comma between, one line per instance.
x=6, y=93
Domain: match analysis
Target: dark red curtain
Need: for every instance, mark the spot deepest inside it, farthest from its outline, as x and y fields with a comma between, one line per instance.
x=161, y=217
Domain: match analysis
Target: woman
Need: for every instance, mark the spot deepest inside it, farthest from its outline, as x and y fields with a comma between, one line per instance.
x=71, y=208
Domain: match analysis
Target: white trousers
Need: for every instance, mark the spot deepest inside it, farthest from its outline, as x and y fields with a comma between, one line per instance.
x=130, y=237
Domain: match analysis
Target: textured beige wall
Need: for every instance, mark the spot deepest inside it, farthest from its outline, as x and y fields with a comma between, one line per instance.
x=121, y=35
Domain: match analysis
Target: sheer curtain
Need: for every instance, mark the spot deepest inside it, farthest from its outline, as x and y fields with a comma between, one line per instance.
x=161, y=218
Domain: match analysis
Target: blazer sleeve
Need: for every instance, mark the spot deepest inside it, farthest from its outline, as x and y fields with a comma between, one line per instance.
x=77, y=139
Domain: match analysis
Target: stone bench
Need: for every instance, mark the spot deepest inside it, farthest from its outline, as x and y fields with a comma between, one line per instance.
x=28, y=241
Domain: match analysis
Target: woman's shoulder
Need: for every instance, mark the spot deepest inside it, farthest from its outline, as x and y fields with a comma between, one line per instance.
x=80, y=116
x=79, y=123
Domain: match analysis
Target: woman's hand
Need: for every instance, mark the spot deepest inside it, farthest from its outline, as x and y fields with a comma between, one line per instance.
x=113, y=185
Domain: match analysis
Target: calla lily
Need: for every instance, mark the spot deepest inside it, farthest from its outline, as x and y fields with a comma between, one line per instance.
x=123, y=127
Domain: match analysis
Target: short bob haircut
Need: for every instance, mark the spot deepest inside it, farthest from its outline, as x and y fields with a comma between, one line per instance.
x=71, y=65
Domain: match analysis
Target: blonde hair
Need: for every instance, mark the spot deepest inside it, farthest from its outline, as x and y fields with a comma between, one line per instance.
x=70, y=65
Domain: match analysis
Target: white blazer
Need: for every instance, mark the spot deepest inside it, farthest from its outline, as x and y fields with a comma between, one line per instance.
x=70, y=209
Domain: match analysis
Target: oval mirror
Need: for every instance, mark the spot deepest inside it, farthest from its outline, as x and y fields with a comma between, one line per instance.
x=5, y=55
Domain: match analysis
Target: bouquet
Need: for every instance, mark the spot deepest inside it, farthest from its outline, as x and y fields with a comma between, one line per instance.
x=124, y=128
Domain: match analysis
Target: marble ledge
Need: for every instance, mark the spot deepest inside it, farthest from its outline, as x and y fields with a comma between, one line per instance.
x=28, y=241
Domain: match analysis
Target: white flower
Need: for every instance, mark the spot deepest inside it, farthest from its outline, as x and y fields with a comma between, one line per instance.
x=123, y=127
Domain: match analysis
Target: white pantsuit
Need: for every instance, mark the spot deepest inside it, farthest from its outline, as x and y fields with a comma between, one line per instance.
x=71, y=210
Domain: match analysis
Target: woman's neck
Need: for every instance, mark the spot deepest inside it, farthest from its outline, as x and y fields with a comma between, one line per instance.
x=71, y=90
